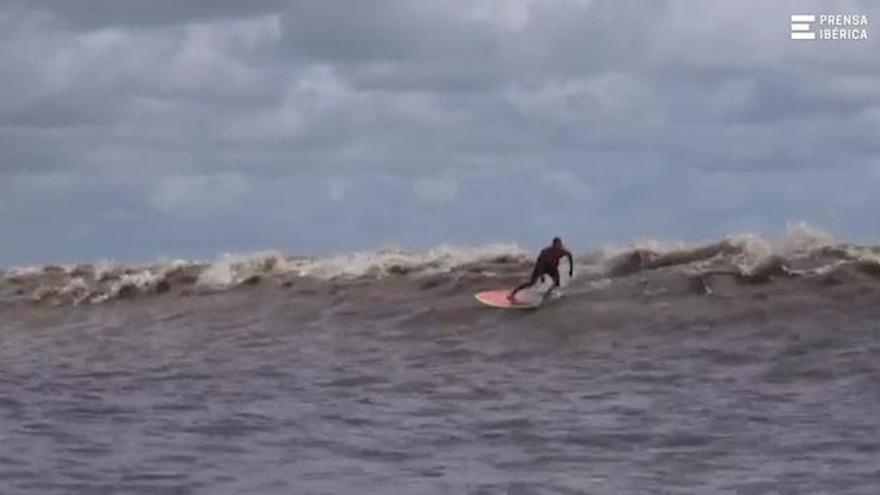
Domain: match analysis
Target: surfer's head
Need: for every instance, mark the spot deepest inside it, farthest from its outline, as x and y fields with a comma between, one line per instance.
x=557, y=242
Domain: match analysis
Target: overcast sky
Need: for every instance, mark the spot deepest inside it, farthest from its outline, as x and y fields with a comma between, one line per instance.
x=136, y=129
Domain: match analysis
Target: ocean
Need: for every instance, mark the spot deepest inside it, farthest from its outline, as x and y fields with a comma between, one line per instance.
x=737, y=366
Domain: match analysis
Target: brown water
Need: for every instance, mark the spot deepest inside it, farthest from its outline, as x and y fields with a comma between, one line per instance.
x=681, y=372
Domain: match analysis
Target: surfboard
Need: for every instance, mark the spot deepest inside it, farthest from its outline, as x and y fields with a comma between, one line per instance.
x=524, y=299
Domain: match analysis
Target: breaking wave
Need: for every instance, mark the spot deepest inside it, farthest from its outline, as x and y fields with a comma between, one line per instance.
x=804, y=251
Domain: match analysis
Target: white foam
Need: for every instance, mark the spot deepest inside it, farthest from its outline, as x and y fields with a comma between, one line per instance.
x=74, y=286
x=865, y=254
x=105, y=268
x=610, y=252
x=68, y=268
x=754, y=251
x=659, y=247
x=819, y=270
x=233, y=269
x=801, y=239
x=174, y=264
x=437, y=260
x=23, y=271
x=77, y=288
x=142, y=281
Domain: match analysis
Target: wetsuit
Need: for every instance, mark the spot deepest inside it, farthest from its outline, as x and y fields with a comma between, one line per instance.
x=547, y=264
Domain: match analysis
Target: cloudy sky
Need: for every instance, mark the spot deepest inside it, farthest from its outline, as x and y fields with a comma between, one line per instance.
x=133, y=129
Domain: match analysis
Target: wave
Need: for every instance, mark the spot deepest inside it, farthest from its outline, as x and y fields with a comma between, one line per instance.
x=804, y=251
x=232, y=270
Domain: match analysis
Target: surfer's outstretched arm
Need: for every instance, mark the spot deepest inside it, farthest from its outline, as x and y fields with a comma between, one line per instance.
x=570, y=263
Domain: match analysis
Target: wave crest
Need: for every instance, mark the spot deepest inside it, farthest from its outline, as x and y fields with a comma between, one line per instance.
x=802, y=252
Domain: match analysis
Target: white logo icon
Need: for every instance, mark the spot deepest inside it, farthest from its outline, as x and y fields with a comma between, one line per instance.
x=800, y=26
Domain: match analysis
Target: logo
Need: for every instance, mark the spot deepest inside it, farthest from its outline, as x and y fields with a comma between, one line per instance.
x=800, y=27
x=829, y=27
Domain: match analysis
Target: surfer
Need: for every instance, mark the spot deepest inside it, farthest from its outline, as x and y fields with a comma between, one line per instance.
x=547, y=264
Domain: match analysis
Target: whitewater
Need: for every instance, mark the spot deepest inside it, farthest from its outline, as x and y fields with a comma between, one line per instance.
x=741, y=365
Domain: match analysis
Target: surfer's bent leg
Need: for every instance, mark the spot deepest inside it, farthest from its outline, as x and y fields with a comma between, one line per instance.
x=554, y=274
x=537, y=273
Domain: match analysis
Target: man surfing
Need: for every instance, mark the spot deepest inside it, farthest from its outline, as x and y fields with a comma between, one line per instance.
x=547, y=264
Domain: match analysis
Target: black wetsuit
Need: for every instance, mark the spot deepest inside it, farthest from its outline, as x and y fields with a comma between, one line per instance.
x=547, y=264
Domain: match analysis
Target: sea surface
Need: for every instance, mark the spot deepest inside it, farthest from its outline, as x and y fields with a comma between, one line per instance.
x=739, y=366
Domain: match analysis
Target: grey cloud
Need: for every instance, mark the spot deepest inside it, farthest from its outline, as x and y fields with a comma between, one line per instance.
x=400, y=44
x=100, y=14
x=60, y=111
x=329, y=125
x=380, y=31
